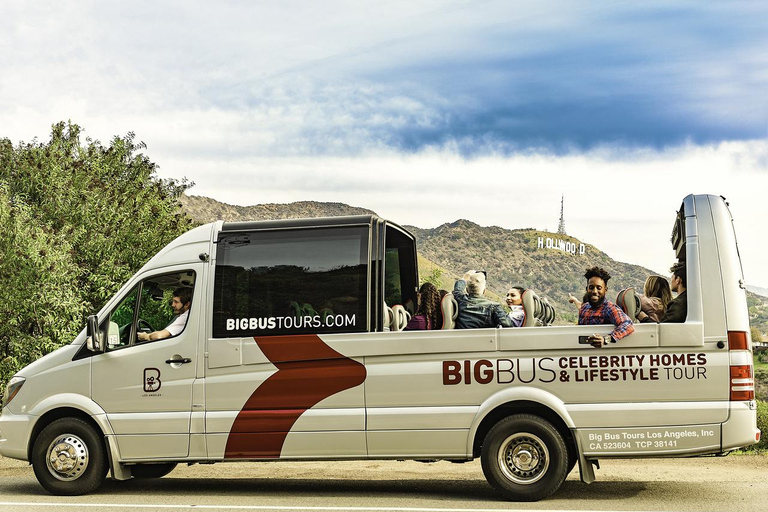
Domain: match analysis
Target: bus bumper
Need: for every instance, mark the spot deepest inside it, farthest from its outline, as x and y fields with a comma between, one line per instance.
x=14, y=435
x=741, y=428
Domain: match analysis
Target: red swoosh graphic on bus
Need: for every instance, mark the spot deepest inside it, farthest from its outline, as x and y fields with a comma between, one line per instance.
x=308, y=371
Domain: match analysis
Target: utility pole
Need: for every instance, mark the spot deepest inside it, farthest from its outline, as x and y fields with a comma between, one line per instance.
x=561, y=225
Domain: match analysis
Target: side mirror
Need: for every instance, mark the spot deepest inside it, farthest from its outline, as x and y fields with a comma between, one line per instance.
x=94, y=341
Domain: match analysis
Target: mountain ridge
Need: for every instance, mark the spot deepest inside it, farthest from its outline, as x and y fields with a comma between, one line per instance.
x=551, y=264
x=204, y=209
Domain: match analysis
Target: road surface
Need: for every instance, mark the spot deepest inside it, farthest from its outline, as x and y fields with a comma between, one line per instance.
x=732, y=484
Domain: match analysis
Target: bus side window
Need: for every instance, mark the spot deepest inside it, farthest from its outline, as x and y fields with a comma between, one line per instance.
x=147, y=308
x=118, y=327
x=297, y=281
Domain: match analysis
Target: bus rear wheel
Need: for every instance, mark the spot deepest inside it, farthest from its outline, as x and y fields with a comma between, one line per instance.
x=524, y=458
x=69, y=457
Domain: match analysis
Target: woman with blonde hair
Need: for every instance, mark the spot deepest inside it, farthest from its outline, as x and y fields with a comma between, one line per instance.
x=654, y=300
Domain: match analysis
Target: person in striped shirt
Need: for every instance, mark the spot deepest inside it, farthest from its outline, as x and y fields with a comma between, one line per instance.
x=596, y=310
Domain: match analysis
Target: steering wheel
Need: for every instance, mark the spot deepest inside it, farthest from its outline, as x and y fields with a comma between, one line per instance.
x=144, y=326
x=123, y=332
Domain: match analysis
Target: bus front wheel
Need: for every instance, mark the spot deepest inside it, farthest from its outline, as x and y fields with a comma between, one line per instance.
x=69, y=457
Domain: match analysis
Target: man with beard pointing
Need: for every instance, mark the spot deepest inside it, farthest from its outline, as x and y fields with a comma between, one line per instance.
x=596, y=310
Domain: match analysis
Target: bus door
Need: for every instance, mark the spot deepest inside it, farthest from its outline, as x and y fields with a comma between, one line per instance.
x=145, y=387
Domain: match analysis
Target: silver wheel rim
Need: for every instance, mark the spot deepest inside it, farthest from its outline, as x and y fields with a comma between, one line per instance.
x=67, y=457
x=523, y=458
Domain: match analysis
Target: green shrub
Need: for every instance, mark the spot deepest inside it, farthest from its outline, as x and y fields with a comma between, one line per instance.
x=762, y=424
x=77, y=220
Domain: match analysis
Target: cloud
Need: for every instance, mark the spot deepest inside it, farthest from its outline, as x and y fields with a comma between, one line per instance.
x=423, y=111
x=335, y=79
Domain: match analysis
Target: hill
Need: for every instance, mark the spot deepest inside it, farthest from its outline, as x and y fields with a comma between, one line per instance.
x=763, y=292
x=553, y=265
x=203, y=209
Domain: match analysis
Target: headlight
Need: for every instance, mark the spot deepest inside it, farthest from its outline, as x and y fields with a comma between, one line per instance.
x=13, y=387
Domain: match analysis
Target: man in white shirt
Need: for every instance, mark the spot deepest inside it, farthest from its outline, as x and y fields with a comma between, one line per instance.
x=182, y=300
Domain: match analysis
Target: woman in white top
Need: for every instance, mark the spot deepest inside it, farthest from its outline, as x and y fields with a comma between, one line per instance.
x=515, y=303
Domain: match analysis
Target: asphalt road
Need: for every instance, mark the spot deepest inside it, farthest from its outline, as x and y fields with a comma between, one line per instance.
x=732, y=484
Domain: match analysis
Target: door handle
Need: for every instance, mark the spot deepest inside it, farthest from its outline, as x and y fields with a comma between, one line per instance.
x=178, y=361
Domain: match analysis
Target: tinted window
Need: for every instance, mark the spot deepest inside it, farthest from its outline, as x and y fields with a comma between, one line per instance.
x=399, y=272
x=291, y=282
x=118, y=327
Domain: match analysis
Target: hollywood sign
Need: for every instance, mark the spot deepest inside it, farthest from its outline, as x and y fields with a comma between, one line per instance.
x=561, y=245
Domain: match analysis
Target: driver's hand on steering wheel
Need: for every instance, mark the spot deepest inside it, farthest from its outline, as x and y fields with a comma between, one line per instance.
x=143, y=336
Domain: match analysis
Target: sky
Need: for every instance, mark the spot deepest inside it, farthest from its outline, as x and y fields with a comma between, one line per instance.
x=424, y=111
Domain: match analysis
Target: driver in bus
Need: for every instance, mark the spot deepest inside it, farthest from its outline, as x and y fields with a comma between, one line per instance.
x=182, y=300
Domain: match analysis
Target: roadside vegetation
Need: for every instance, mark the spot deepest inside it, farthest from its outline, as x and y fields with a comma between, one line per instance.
x=761, y=393
x=78, y=219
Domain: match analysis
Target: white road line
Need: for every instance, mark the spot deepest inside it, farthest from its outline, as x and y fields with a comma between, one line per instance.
x=266, y=507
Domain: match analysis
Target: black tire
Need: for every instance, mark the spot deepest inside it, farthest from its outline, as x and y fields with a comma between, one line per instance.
x=69, y=458
x=152, y=470
x=573, y=456
x=524, y=458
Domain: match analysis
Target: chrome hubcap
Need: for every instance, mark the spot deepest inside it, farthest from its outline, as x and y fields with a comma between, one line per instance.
x=523, y=458
x=67, y=457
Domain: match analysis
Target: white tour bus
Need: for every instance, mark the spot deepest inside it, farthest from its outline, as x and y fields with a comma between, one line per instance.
x=290, y=352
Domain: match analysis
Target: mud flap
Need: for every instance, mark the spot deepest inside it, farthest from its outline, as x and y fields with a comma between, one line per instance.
x=586, y=470
x=119, y=471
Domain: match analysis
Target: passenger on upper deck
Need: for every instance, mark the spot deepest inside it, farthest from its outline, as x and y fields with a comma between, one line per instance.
x=677, y=310
x=428, y=315
x=597, y=310
x=654, y=300
x=475, y=311
x=515, y=302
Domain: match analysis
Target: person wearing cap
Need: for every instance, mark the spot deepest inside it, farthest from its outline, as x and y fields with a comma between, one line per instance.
x=475, y=311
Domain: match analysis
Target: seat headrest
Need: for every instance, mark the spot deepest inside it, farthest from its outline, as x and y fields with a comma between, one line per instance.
x=400, y=317
x=538, y=311
x=629, y=302
x=450, y=310
x=387, y=318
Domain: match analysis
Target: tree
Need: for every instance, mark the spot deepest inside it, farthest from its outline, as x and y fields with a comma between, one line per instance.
x=78, y=221
x=756, y=334
x=435, y=277
x=38, y=303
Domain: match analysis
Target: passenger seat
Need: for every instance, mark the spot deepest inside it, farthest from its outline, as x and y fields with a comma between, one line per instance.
x=450, y=310
x=387, y=317
x=629, y=302
x=537, y=311
x=400, y=318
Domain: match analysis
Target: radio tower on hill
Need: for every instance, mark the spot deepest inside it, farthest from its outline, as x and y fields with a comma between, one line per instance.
x=561, y=225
